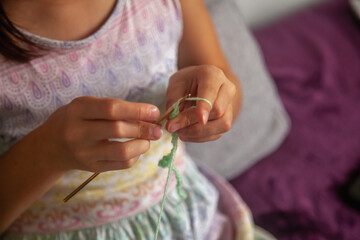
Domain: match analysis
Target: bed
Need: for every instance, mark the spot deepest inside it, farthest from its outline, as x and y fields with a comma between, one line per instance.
x=297, y=191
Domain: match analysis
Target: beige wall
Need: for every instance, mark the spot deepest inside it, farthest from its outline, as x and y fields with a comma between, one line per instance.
x=260, y=12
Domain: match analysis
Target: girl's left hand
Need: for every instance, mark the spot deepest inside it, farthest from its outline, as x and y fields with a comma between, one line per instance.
x=201, y=124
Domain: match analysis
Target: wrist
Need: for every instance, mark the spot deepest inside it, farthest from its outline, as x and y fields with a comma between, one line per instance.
x=26, y=174
x=39, y=151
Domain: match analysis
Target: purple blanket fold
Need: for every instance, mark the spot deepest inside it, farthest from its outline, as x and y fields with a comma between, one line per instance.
x=314, y=58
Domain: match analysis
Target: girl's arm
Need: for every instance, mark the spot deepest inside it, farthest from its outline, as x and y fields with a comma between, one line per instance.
x=200, y=46
x=74, y=137
x=24, y=177
x=204, y=72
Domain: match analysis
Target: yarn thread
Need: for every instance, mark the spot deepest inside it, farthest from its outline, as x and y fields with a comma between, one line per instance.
x=168, y=161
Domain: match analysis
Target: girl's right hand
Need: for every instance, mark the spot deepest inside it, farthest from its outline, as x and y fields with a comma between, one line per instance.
x=76, y=135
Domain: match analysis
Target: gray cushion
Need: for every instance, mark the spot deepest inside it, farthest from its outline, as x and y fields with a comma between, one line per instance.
x=263, y=123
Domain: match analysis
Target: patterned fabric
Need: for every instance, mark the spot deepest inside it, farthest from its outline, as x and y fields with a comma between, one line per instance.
x=190, y=220
x=111, y=196
x=130, y=57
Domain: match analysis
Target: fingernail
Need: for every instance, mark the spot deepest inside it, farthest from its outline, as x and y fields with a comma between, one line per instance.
x=154, y=112
x=174, y=127
x=205, y=116
x=157, y=132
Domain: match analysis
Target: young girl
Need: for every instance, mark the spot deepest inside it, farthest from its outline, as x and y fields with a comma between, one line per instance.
x=75, y=74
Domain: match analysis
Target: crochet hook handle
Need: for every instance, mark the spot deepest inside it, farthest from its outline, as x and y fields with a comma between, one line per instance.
x=68, y=197
x=73, y=193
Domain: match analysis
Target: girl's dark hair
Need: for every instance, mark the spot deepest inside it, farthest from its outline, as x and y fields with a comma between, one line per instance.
x=10, y=37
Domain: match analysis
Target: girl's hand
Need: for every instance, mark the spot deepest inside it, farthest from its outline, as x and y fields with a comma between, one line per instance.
x=76, y=135
x=201, y=124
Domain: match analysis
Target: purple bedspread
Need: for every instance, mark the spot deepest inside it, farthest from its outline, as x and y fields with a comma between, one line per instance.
x=314, y=58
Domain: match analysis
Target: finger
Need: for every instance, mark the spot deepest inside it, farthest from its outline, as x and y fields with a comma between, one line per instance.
x=119, y=151
x=113, y=109
x=102, y=129
x=212, y=128
x=200, y=140
x=177, y=89
x=223, y=101
x=184, y=119
x=208, y=89
x=106, y=165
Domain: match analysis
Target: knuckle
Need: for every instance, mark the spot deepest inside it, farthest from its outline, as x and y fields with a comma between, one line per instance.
x=218, y=111
x=79, y=156
x=143, y=131
x=211, y=70
x=69, y=137
x=118, y=129
x=204, y=71
x=77, y=101
x=186, y=121
x=232, y=89
x=217, y=72
x=227, y=124
x=125, y=151
x=146, y=146
x=75, y=106
x=131, y=162
x=109, y=108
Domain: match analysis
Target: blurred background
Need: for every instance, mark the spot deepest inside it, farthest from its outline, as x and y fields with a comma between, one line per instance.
x=298, y=170
x=260, y=12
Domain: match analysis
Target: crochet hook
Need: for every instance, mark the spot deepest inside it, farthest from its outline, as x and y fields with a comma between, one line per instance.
x=168, y=112
x=94, y=175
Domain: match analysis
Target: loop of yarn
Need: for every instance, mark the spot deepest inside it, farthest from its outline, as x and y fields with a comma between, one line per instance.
x=168, y=161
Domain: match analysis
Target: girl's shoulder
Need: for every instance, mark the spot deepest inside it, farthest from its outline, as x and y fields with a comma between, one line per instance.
x=128, y=18
x=130, y=57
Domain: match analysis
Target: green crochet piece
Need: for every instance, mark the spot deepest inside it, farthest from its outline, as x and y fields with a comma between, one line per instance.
x=168, y=161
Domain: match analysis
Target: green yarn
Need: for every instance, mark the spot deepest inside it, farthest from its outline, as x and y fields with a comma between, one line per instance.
x=175, y=110
x=199, y=99
x=168, y=161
